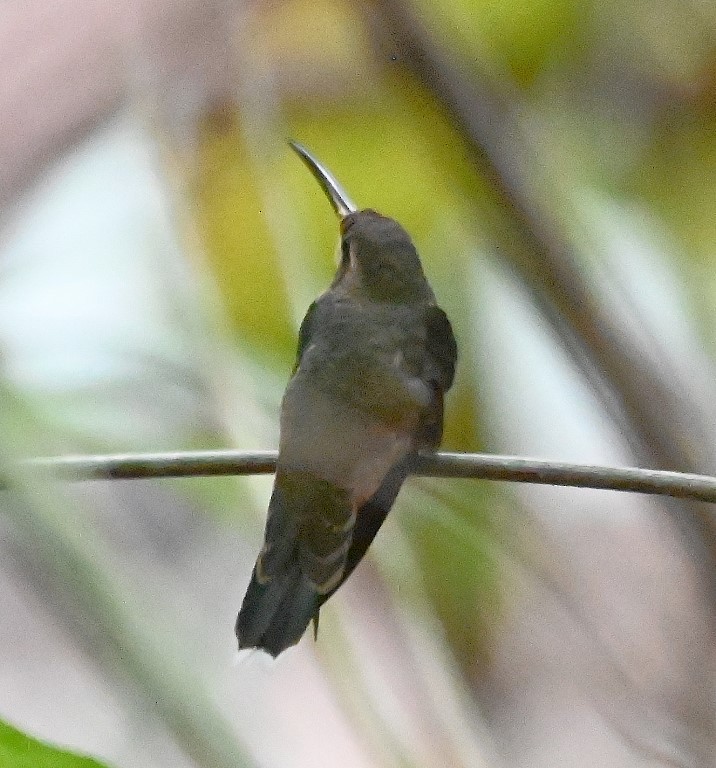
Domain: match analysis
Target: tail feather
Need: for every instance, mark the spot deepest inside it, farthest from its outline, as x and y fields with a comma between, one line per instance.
x=281, y=601
x=275, y=615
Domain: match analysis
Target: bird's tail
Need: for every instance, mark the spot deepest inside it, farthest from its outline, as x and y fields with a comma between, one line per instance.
x=275, y=615
x=308, y=532
x=281, y=599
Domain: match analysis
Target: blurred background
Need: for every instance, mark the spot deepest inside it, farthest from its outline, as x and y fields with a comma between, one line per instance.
x=555, y=163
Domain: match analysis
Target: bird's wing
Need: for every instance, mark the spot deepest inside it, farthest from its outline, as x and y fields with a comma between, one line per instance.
x=441, y=348
x=305, y=333
x=441, y=358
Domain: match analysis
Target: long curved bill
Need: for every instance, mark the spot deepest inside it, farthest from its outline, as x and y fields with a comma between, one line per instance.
x=340, y=201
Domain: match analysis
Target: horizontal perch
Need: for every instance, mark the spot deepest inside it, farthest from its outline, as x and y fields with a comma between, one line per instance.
x=477, y=466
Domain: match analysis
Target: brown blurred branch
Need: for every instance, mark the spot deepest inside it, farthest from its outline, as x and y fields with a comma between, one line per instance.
x=476, y=466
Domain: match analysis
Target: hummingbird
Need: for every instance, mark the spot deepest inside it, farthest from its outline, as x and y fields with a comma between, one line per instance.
x=375, y=357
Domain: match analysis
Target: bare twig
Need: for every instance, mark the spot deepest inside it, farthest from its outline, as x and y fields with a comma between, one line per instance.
x=476, y=466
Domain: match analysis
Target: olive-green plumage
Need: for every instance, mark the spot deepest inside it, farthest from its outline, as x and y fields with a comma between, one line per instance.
x=375, y=356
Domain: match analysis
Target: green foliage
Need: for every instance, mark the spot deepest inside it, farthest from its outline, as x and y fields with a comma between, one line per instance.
x=237, y=240
x=18, y=750
x=523, y=36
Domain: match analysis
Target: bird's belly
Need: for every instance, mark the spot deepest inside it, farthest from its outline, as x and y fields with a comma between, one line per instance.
x=339, y=443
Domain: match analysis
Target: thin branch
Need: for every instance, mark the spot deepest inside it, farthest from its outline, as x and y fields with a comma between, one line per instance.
x=476, y=466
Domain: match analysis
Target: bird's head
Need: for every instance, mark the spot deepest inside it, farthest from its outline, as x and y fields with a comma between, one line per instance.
x=378, y=259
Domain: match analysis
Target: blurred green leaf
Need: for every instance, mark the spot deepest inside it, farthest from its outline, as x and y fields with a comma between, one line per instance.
x=451, y=530
x=237, y=239
x=522, y=35
x=18, y=750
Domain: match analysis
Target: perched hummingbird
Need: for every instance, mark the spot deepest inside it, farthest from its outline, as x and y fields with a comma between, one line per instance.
x=375, y=356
